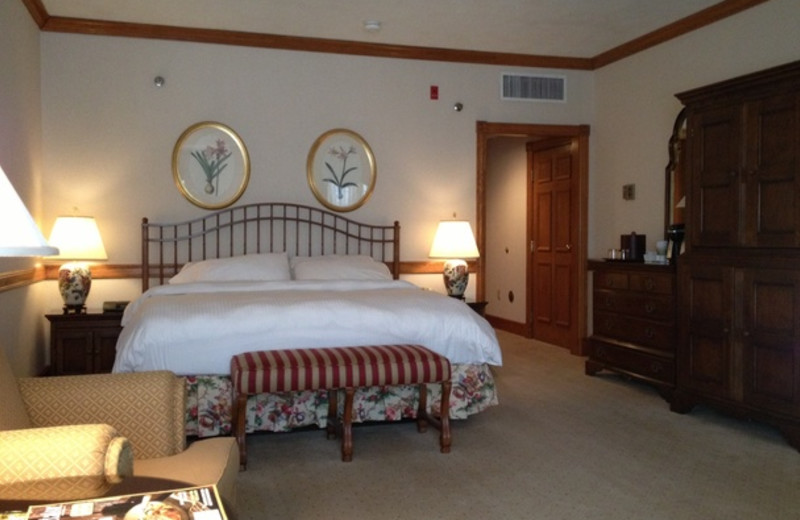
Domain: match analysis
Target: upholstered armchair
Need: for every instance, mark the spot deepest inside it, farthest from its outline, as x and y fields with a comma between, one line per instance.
x=129, y=423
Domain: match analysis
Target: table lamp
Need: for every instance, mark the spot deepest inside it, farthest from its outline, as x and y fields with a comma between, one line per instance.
x=20, y=235
x=79, y=240
x=455, y=242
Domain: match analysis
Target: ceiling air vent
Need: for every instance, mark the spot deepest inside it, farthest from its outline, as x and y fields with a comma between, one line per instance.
x=533, y=88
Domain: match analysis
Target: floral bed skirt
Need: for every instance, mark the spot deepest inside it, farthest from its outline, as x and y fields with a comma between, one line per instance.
x=209, y=401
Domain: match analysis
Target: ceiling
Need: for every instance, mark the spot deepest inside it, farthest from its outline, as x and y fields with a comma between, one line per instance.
x=562, y=28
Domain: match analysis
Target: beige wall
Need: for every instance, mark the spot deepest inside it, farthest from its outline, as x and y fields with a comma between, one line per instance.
x=506, y=227
x=20, y=157
x=109, y=133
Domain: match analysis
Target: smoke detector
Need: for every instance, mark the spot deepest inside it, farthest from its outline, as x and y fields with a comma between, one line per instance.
x=372, y=26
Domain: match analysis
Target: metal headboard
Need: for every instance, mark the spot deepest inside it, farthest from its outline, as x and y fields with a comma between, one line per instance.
x=269, y=227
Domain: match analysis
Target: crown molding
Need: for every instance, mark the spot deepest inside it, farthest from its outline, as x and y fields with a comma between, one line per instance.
x=678, y=28
x=296, y=43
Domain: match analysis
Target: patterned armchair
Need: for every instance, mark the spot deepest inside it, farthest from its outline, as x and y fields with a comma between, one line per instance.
x=129, y=423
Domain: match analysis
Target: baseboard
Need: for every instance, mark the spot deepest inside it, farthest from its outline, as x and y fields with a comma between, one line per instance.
x=513, y=327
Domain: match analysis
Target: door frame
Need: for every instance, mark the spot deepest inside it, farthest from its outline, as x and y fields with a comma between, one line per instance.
x=580, y=136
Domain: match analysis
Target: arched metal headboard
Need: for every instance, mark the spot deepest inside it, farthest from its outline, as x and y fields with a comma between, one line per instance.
x=267, y=227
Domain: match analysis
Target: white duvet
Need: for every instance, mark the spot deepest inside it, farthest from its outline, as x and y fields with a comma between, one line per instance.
x=195, y=328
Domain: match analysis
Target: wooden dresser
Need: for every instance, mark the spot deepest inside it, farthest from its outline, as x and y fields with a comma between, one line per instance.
x=739, y=279
x=634, y=322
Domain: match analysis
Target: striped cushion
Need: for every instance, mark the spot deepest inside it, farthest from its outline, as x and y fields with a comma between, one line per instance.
x=342, y=367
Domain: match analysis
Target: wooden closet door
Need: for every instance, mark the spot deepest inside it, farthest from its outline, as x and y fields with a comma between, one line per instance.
x=771, y=339
x=554, y=178
x=707, y=319
x=771, y=173
x=715, y=148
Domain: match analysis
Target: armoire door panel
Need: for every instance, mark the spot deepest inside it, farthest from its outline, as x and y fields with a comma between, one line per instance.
x=706, y=362
x=772, y=194
x=771, y=346
x=716, y=150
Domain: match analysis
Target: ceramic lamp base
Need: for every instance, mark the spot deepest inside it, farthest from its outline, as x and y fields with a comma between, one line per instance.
x=74, y=282
x=456, y=278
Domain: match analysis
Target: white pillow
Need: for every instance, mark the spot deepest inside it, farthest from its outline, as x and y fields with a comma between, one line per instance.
x=255, y=267
x=339, y=267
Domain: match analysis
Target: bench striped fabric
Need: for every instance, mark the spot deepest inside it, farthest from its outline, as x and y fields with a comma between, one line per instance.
x=340, y=368
x=315, y=368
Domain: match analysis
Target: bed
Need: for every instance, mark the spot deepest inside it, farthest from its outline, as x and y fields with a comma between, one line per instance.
x=280, y=275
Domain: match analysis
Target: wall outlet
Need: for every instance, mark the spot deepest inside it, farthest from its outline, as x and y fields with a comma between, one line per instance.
x=629, y=191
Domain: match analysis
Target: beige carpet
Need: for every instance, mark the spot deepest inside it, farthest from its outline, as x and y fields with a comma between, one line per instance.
x=561, y=445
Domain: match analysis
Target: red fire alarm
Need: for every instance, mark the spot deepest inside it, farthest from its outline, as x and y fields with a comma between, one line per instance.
x=434, y=92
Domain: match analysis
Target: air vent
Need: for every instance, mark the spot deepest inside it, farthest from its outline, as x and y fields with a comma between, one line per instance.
x=533, y=88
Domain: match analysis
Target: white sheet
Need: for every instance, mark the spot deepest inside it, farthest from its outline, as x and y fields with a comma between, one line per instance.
x=196, y=328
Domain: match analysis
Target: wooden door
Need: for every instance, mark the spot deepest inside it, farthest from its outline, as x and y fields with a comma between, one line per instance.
x=715, y=144
x=554, y=224
x=706, y=323
x=771, y=339
x=771, y=174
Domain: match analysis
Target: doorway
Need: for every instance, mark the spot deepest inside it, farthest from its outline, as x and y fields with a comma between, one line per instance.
x=534, y=326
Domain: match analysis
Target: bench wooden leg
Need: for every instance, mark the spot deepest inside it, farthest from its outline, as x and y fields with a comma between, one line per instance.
x=347, y=425
x=239, y=428
x=441, y=423
x=333, y=414
x=422, y=409
x=444, y=436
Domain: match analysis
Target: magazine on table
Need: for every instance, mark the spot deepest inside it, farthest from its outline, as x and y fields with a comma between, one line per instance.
x=194, y=503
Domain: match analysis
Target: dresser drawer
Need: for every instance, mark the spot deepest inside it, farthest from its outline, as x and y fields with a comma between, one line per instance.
x=653, y=334
x=610, y=280
x=654, y=283
x=653, y=307
x=635, y=362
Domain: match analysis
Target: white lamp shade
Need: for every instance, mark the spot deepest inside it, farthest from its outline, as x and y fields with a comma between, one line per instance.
x=20, y=235
x=454, y=239
x=78, y=238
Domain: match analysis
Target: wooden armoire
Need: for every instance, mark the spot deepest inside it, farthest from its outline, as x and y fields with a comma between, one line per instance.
x=739, y=278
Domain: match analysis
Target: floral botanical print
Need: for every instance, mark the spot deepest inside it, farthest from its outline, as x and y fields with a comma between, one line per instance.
x=338, y=180
x=212, y=160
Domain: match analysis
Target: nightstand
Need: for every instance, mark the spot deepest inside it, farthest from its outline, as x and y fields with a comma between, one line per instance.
x=478, y=306
x=83, y=343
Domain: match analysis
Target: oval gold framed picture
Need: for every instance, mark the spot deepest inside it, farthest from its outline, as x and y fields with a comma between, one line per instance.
x=341, y=170
x=210, y=165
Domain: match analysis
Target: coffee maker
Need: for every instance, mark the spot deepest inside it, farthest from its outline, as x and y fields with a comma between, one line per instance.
x=675, y=234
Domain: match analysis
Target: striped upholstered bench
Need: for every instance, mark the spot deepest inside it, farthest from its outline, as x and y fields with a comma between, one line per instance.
x=338, y=368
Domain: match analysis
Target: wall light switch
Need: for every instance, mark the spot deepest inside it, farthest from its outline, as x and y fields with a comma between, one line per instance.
x=629, y=191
